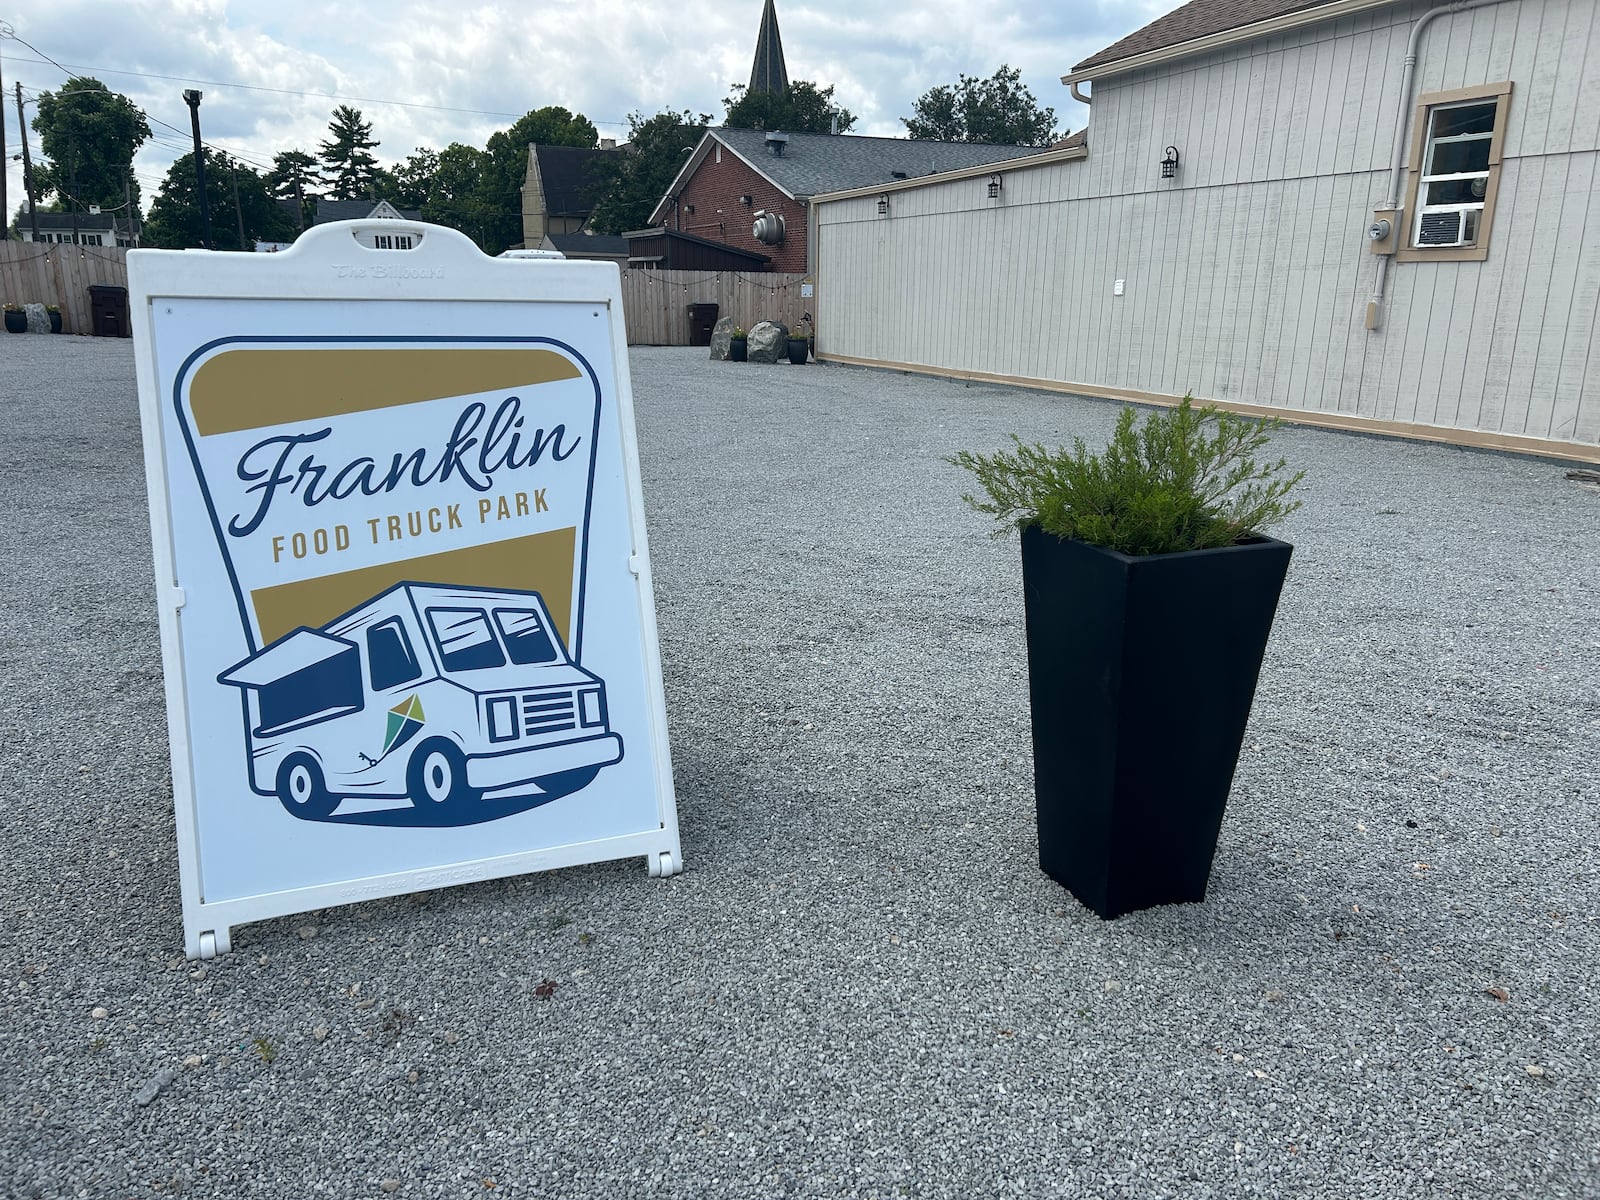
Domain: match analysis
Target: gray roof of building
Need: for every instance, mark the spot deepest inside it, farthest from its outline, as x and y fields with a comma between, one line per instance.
x=1197, y=19
x=354, y=210
x=657, y=231
x=589, y=243
x=821, y=162
x=571, y=177
x=92, y=222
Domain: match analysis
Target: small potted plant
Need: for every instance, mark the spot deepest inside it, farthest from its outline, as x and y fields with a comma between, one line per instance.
x=738, y=345
x=53, y=311
x=800, y=341
x=16, y=319
x=1149, y=591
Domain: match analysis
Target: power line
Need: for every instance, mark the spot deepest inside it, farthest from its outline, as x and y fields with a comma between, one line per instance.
x=252, y=157
x=251, y=87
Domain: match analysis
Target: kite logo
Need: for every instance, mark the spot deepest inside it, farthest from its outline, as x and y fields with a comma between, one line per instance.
x=405, y=719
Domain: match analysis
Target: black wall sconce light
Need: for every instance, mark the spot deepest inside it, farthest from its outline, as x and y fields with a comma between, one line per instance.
x=883, y=206
x=745, y=200
x=1169, y=164
x=995, y=184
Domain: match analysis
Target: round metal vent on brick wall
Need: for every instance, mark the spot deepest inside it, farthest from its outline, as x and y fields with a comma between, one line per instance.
x=768, y=228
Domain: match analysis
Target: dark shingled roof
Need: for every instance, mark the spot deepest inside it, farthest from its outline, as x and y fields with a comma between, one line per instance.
x=571, y=176
x=822, y=162
x=657, y=232
x=86, y=222
x=589, y=243
x=349, y=210
x=1197, y=19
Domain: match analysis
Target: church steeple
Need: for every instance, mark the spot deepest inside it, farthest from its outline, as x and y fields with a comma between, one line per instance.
x=768, y=74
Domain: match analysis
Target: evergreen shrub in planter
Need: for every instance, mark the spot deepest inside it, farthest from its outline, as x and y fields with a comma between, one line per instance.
x=800, y=342
x=1149, y=592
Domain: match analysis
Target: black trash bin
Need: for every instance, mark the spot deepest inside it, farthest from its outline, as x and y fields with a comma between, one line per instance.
x=702, y=320
x=108, y=310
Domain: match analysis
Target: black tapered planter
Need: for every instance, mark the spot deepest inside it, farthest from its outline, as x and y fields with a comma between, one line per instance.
x=55, y=322
x=738, y=349
x=798, y=349
x=16, y=321
x=1141, y=671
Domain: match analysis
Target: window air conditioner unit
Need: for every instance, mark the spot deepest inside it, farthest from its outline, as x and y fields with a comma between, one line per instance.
x=1442, y=229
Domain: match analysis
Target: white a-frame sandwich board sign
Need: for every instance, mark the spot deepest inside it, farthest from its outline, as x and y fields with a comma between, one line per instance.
x=406, y=613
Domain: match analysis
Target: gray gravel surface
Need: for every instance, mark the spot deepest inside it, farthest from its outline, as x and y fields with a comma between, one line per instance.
x=862, y=986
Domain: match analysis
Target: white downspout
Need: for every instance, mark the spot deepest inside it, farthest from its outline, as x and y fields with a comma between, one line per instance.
x=1079, y=96
x=1397, y=169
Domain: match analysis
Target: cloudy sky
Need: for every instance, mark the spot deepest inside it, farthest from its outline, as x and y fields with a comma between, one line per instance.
x=428, y=72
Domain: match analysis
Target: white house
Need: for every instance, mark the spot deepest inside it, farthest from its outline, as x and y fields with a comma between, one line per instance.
x=1371, y=214
x=89, y=229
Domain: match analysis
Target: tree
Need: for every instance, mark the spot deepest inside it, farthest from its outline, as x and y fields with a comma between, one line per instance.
x=351, y=169
x=89, y=135
x=174, y=221
x=295, y=176
x=414, y=179
x=803, y=108
x=998, y=110
x=505, y=166
x=631, y=183
x=455, y=194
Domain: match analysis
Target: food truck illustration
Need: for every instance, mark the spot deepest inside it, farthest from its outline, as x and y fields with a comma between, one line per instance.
x=432, y=692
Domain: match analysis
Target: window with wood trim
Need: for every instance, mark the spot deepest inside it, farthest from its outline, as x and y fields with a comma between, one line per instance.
x=1456, y=146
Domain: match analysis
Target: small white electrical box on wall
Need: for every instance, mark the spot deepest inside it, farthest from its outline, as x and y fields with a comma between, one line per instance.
x=1117, y=286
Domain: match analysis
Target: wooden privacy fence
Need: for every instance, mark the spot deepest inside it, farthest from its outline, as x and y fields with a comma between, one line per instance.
x=657, y=302
x=60, y=274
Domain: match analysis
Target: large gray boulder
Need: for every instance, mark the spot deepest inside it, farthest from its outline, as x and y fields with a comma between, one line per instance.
x=38, y=318
x=769, y=341
x=721, y=332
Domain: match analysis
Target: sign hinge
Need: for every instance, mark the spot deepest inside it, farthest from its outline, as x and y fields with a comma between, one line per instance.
x=179, y=599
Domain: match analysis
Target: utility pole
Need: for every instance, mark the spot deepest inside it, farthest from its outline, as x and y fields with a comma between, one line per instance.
x=191, y=97
x=72, y=181
x=133, y=213
x=237, y=211
x=27, y=169
x=5, y=208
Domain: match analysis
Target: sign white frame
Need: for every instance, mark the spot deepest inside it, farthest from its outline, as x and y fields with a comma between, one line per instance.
x=336, y=262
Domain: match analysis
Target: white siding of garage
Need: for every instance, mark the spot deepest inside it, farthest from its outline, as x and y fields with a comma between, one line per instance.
x=1247, y=276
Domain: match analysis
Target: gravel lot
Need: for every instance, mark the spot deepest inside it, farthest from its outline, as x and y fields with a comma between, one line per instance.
x=863, y=985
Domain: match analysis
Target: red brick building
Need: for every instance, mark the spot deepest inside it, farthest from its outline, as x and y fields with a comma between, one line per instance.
x=737, y=176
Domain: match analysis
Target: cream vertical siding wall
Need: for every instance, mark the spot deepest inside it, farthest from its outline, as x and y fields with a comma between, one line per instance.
x=1247, y=276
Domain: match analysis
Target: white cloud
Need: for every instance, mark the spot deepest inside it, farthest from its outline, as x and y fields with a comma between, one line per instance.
x=603, y=58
